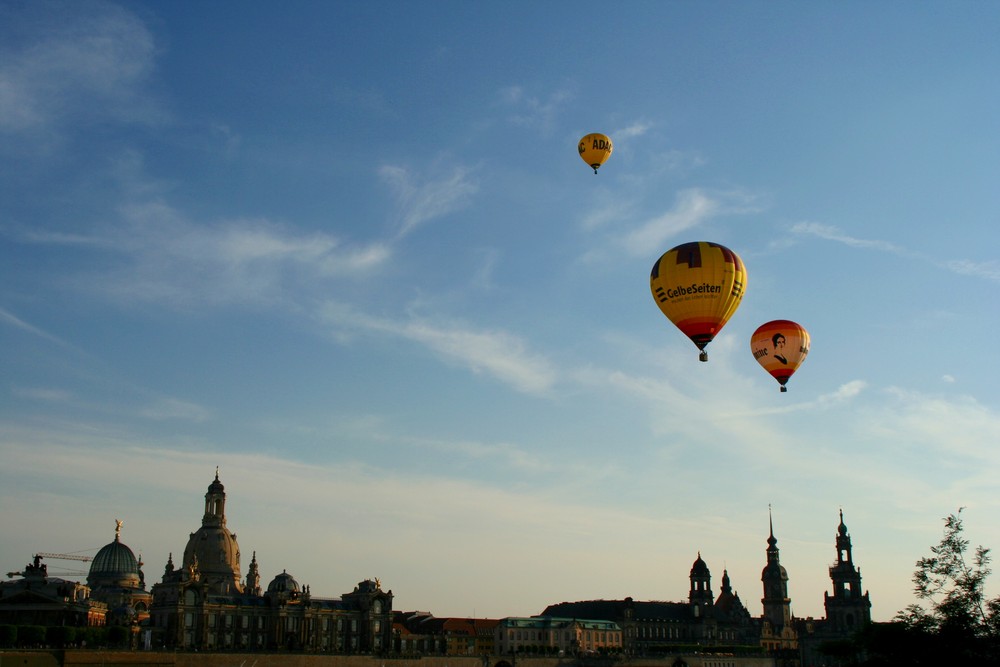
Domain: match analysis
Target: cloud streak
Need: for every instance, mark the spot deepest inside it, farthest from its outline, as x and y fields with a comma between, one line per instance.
x=692, y=208
x=496, y=353
x=420, y=202
x=9, y=318
x=988, y=270
x=87, y=62
x=532, y=111
x=156, y=254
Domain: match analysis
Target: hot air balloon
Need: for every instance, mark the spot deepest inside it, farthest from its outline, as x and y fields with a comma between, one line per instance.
x=699, y=286
x=780, y=347
x=595, y=149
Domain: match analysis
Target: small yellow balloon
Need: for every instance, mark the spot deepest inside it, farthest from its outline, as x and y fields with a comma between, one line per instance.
x=595, y=149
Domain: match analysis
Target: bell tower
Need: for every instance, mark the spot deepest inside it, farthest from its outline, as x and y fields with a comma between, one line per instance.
x=847, y=609
x=215, y=504
x=700, y=596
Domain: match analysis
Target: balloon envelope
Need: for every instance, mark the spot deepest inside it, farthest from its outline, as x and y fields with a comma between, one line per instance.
x=698, y=286
x=595, y=149
x=780, y=347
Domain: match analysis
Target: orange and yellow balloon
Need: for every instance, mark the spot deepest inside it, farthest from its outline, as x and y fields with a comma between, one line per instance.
x=699, y=286
x=595, y=149
x=780, y=347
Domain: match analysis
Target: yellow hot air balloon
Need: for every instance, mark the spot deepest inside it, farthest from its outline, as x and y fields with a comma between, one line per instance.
x=595, y=149
x=699, y=286
x=780, y=347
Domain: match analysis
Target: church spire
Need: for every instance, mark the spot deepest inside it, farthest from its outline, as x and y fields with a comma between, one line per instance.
x=253, y=577
x=777, y=604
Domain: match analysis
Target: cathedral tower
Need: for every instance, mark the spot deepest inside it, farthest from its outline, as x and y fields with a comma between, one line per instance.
x=777, y=605
x=212, y=550
x=847, y=609
x=777, y=630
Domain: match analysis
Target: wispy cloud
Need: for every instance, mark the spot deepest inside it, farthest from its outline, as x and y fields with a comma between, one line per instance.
x=506, y=454
x=43, y=394
x=956, y=425
x=157, y=254
x=9, y=318
x=636, y=129
x=988, y=270
x=692, y=208
x=420, y=201
x=496, y=353
x=528, y=110
x=832, y=233
x=173, y=408
x=82, y=62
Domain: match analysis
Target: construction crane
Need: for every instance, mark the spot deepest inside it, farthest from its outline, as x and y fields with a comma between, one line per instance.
x=43, y=554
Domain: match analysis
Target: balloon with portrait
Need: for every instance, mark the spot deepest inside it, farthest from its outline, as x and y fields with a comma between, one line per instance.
x=780, y=347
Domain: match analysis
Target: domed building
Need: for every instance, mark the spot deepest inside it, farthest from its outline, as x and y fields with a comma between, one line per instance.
x=213, y=547
x=204, y=605
x=116, y=579
x=283, y=584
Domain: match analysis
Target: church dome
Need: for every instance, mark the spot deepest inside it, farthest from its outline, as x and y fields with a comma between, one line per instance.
x=283, y=583
x=115, y=566
x=213, y=549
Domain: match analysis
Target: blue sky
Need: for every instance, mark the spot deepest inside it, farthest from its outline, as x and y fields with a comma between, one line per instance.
x=347, y=253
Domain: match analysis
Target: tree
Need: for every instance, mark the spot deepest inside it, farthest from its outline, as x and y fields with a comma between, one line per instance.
x=953, y=587
x=118, y=635
x=952, y=619
x=8, y=636
x=60, y=636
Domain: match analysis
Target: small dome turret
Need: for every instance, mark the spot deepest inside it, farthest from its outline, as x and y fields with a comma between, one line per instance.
x=283, y=583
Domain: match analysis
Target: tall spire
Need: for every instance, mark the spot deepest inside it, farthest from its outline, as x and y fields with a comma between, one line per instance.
x=777, y=605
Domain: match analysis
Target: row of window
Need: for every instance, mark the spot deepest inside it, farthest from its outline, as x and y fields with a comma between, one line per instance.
x=291, y=622
x=553, y=635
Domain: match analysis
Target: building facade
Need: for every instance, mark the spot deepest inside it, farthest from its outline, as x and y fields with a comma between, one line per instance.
x=38, y=599
x=557, y=636
x=115, y=592
x=204, y=603
x=421, y=633
x=655, y=628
